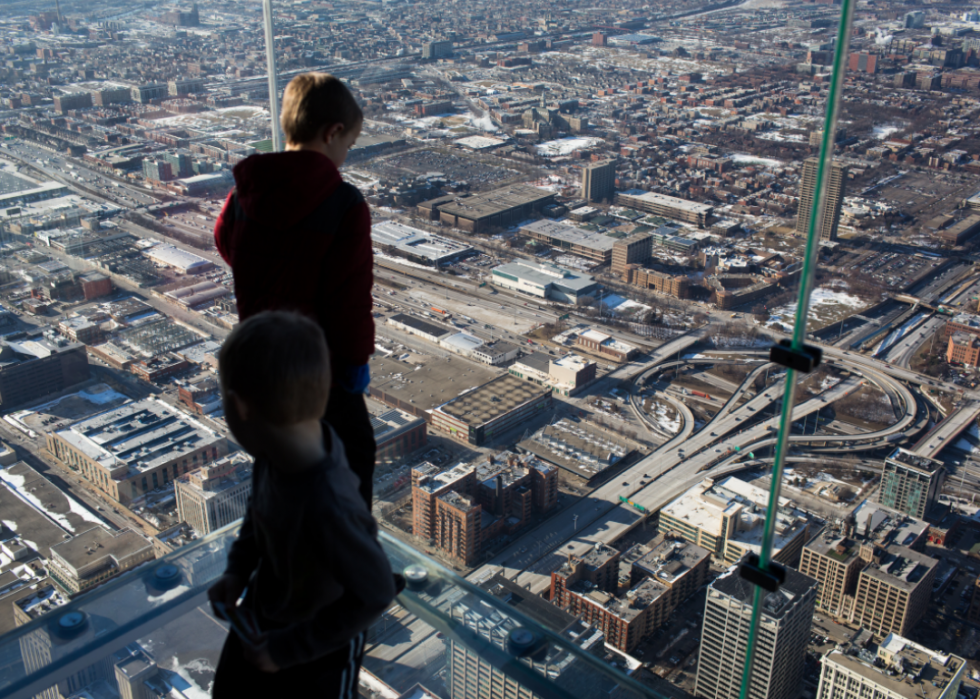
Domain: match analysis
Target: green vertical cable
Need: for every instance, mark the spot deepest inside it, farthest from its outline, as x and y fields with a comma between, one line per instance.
x=802, y=310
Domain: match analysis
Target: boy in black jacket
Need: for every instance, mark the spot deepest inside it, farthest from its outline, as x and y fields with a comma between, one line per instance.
x=307, y=550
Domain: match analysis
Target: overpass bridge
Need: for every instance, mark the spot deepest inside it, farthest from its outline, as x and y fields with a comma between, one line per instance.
x=948, y=430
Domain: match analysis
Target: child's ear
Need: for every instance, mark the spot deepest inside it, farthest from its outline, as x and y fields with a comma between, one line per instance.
x=331, y=132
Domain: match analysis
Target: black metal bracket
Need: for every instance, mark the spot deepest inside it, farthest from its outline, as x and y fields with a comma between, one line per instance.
x=805, y=360
x=769, y=579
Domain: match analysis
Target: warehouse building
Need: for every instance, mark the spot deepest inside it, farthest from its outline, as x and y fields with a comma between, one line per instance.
x=416, y=245
x=544, y=281
x=181, y=260
x=480, y=415
x=669, y=207
x=482, y=212
x=128, y=451
x=579, y=447
x=596, y=247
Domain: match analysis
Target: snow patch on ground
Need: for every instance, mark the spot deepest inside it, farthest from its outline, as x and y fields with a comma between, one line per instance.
x=824, y=302
x=753, y=160
x=623, y=307
x=566, y=146
x=483, y=123
x=885, y=130
x=671, y=425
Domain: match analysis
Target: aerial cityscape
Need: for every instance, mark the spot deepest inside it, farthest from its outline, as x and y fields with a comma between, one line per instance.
x=589, y=225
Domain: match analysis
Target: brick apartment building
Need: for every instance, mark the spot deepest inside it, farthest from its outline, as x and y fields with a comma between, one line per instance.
x=459, y=509
x=659, y=580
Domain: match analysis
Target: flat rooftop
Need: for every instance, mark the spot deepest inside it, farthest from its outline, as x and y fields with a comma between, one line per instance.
x=139, y=436
x=438, y=331
x=429, y=385
x=493, y=399
x=416, y=242
x=386, y=422
x=570, y=234
x=901, y=567
x=542, y=275
x=670, y=560
x=657, y=199
x=90, y=548
x=627, y=608
x=578, y=447
x=495, y=202
x=907, y=669
x=459, y=500
x=704, y=504
x=908, y=458
x=774, y=604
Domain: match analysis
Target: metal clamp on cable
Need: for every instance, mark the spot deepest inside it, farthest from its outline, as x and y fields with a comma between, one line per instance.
x=769, y=579
x=805, y=359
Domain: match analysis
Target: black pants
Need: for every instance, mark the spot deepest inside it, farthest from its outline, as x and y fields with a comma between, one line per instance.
x=333, y=676
x=347, y=414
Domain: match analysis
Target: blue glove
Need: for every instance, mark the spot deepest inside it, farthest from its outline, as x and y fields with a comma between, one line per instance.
x=355, y=379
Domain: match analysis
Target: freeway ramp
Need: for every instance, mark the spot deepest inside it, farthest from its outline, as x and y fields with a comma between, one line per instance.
x=948, y=431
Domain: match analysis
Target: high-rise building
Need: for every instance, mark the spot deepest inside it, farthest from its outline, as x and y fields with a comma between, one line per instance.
x=896, y=669
x=911, y=483
x=632, y=250
x=159, y=170
x=458, y=509
x=432, y=50
x=599, y=181
x=832, y=205
x=833, y=557
x=893, y=589
x=215, y=494
x=781, y=639
x=181, y=164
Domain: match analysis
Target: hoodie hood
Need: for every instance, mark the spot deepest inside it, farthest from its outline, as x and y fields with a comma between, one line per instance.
x=281, y=189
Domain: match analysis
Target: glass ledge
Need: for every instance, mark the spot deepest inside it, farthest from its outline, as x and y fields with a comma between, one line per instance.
x=480, y=633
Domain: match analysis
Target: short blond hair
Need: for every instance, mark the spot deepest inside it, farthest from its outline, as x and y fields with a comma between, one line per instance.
x=279, y=363
x=314, y=100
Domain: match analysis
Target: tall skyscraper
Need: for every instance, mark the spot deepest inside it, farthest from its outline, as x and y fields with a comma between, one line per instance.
x=780, y=646
x=599, y=181
x=911, y=483
x=835, y=196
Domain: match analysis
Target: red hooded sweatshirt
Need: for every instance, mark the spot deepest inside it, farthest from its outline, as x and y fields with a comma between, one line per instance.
x=290, y=253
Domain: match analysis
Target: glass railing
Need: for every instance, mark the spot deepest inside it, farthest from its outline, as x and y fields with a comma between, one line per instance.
x=444, y=632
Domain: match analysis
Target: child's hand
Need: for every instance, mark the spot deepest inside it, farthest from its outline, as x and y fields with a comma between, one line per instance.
x=226, y=589
x=258, y=654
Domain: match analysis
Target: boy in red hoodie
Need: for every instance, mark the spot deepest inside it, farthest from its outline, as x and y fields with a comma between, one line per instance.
x=298, y=238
